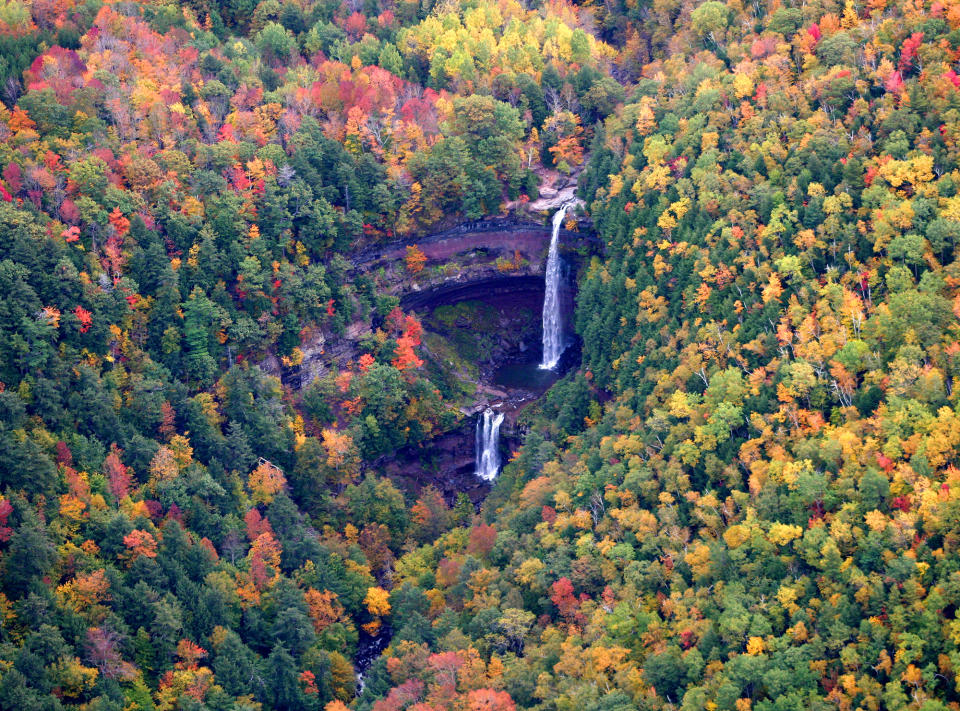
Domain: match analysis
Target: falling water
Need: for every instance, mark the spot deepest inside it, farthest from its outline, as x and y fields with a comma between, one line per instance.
x=488, y=444
x=553, y=342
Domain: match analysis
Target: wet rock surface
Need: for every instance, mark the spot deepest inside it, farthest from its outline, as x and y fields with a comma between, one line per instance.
x=447, y=462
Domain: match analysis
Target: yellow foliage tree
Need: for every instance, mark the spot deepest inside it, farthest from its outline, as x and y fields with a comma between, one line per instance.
x=782, y=533
x=377, y=601
x=266, y=481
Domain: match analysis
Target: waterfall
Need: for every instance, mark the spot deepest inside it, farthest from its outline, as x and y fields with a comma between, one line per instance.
x=553, y=341
x=488, y=444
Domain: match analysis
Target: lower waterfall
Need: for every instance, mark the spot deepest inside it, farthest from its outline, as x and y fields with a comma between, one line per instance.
x=488, y=444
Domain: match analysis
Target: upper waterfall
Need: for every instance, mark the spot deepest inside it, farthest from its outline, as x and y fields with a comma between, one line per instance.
x=553, y=338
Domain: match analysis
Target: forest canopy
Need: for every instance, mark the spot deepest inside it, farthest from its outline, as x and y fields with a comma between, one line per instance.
x=743, y=497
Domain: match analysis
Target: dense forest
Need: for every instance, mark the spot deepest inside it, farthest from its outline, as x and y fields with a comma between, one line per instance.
x=747, y=494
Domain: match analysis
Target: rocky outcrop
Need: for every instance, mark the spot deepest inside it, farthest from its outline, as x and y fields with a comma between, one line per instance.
x=492, y=255
x=471, y=243
x=551, y=200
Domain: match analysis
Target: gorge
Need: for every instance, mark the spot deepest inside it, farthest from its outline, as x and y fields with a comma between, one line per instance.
x=458, y=314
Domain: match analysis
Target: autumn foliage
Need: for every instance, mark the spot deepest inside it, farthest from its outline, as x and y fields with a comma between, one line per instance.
x=218, y=430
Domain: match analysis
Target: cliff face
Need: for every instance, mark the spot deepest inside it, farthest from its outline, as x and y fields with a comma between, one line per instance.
x=496, y=234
